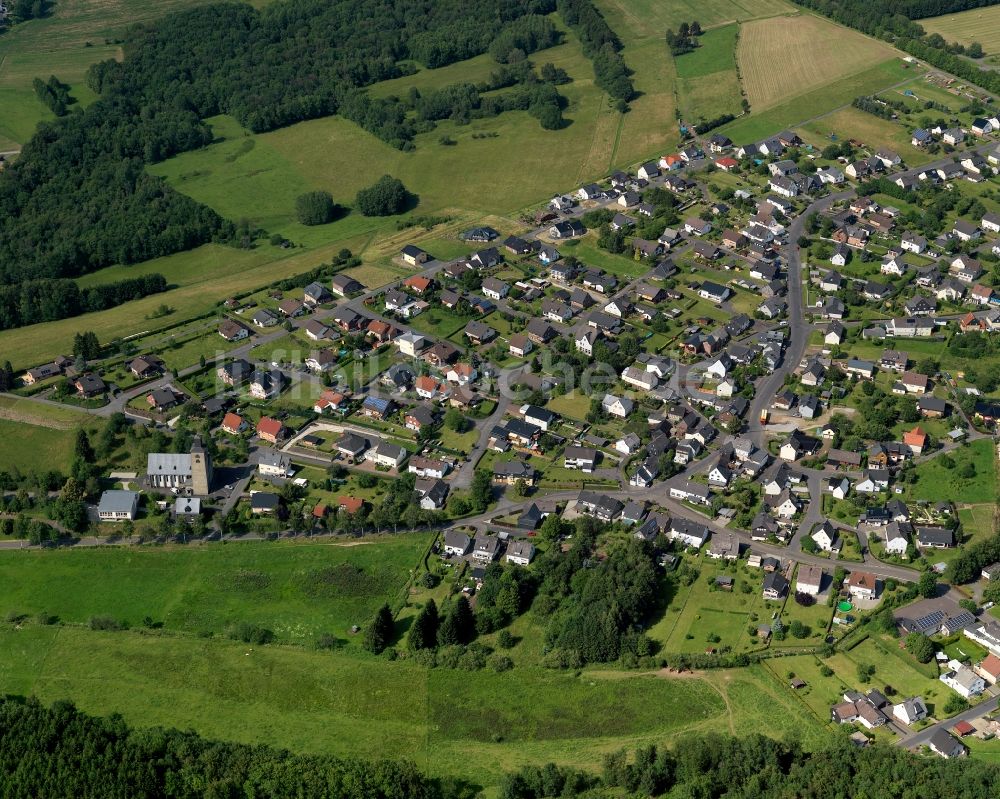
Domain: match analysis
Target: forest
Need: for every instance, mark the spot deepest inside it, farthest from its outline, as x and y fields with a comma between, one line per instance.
x=61, y=751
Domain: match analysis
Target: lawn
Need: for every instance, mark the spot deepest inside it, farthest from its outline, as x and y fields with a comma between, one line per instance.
x=873, y=131
x=703, y=612
x=209, y=346
x=976, y=25
x=440, y=321
x=707, y=82
x=977, y=521
x=812, y=52
x=620, y=265
x=815, y=617
x=935, y=482
x=471, y=724
x=297, y=590
x=573, y=405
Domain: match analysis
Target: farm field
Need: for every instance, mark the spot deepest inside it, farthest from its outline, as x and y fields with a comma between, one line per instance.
x=298, y=591
x=471, y=724
x=707, y=83
x=975, y=25
x=645, y=18
x=811, y=51
x=804, y=107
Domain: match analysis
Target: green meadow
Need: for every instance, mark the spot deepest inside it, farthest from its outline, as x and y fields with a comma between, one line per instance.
x=475, y=725
x=297, y=590
x=707, y=81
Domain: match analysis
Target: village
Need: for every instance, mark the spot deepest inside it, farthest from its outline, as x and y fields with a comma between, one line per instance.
x=772, y=361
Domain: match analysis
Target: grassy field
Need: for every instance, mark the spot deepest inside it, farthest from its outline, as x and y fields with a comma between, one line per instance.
x=936, y=483
x=236, y=175
x=297, y=590
x=211, y=272
x=976, y=25
x=867, y=128
x=788, y=56
x=471, y=724
x=707, y=82
x=804, y=107
x=698, y=612
x=37, y=436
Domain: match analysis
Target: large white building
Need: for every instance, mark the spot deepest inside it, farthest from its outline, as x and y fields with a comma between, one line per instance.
x=118, y=506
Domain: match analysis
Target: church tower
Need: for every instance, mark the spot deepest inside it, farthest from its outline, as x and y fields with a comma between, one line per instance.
x=201, y=469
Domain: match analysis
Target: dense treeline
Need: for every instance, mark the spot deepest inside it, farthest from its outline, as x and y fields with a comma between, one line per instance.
x=601, y=46
x=302, y=59
x=594, y=606
x=79, y=198
x=523, y=36
x=32, y=301
x=756, y=767
x=60, y=751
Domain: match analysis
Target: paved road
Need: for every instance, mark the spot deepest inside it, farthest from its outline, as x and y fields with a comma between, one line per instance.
x=913, y=740
x=798, y=328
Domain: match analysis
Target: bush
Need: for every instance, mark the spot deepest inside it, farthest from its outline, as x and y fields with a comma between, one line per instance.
x=250, y=633
x=315, y=208
x=107, y=623
x=386, y=197
x=804, y=599
x=798, y=629
x=505, y=640
x=500, y=663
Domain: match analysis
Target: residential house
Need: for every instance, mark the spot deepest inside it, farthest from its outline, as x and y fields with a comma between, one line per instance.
x=809, y=580
x=910, y=711
x=272, y=463
x=386, y=455
x=617, y=406
x=270, y=430
x=862, y=585
x=775, y=586
x=231, y=330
